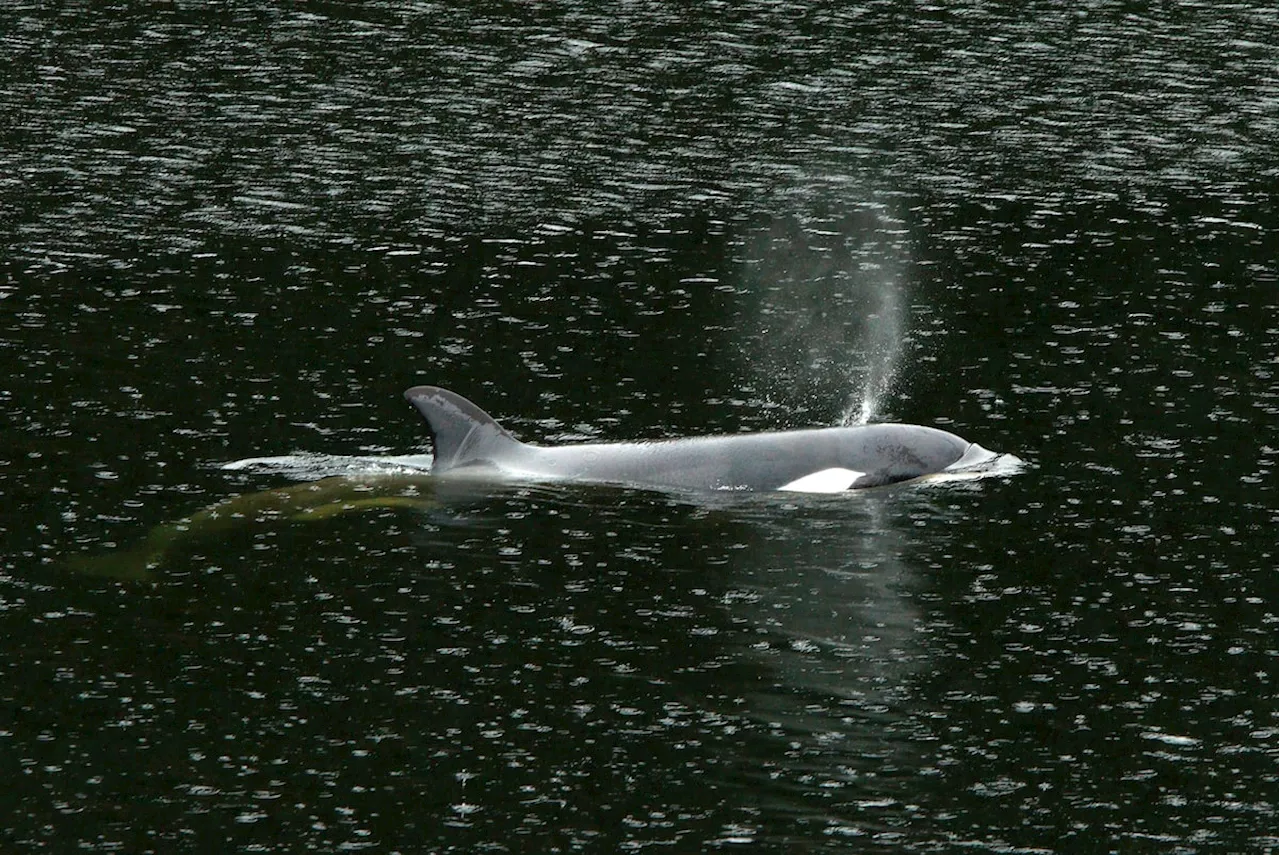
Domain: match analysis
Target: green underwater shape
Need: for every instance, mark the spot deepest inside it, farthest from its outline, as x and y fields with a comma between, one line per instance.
x=310, y=502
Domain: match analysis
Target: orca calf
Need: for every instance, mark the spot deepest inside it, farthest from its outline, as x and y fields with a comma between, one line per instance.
x=820, y=460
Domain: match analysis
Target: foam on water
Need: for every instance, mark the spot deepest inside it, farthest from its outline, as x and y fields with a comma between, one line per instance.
x=312, y=467
x=976, y=466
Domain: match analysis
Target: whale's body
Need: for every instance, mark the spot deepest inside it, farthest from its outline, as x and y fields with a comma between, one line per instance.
x=469, y=443
x=822, y=460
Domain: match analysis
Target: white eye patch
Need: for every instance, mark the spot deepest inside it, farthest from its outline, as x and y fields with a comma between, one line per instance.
x=825, y=481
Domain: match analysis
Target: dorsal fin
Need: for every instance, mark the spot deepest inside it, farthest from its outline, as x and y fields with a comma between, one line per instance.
x=461, y=432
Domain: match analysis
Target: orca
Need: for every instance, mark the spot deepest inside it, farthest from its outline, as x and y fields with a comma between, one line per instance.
x=467, y=440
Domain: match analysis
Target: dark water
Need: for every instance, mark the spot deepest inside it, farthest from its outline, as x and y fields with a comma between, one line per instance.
x=245, y=231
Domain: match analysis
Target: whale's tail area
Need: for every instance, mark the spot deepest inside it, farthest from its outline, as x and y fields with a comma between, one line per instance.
x=461, y=432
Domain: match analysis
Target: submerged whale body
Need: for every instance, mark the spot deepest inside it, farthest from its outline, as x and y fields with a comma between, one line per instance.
x=820, y=460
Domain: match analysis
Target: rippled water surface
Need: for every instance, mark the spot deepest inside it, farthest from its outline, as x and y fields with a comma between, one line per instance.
x=235, y=233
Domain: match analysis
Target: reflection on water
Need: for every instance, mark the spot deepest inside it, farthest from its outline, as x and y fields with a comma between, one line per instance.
x=393, y=121
x=712, y=636
x=761, y=632
x=238, y=232
x=1079, y=653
